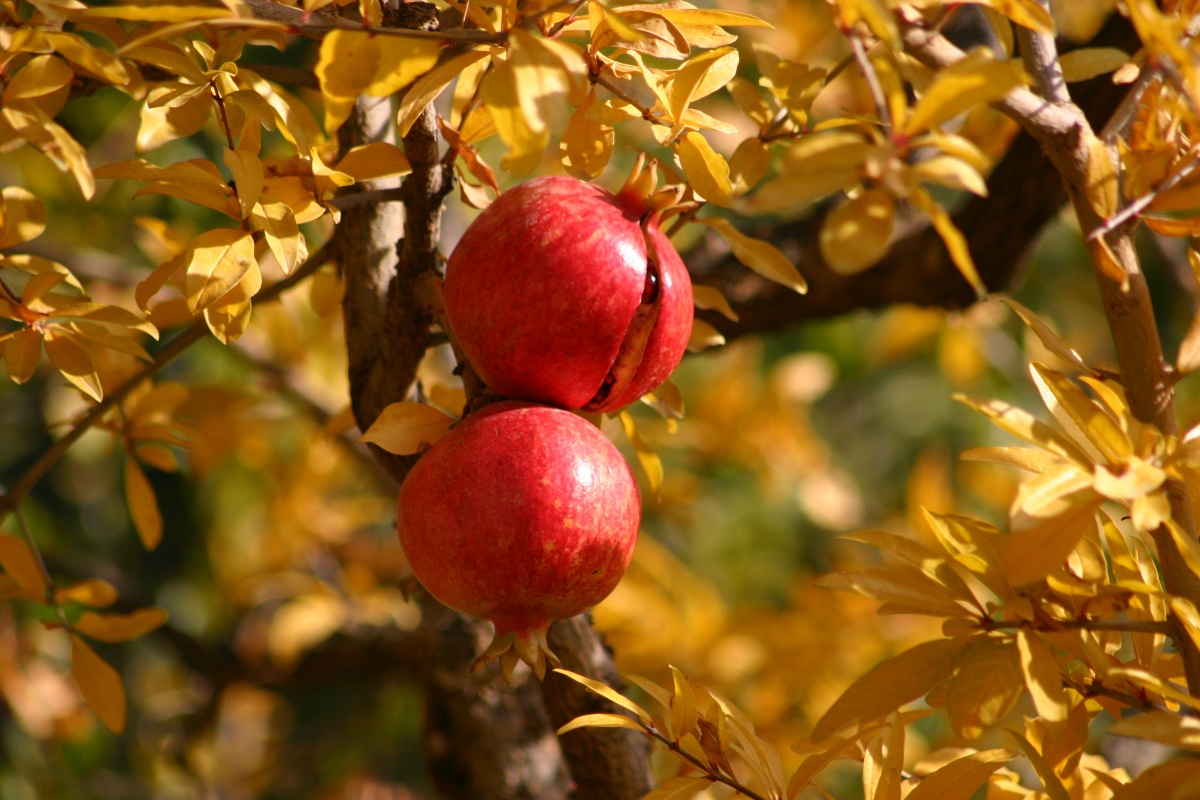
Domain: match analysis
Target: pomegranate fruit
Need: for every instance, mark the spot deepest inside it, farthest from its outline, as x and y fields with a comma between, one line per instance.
x=522, y=514
x=562, y=293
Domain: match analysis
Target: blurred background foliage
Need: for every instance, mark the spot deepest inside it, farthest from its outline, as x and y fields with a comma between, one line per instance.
x=279, y=545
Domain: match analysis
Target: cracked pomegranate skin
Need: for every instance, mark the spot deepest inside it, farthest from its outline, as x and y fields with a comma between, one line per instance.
x=522, y=515
x=545, y=295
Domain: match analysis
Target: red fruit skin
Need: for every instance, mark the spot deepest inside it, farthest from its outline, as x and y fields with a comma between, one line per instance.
x=522, y=515
x=542, y=289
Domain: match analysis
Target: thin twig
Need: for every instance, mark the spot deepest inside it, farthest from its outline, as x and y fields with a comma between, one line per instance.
x=608, y=83
x=709, y=772
x=872, y=78
x=10, y=500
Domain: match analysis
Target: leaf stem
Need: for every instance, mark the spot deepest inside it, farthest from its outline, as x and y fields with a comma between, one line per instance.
x=709, y=771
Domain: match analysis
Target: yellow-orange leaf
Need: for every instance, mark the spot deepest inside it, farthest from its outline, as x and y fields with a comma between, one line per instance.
x=1043, y=677
x=1090, y=62
x=1049, y=338
x=374, y=160
x=856, y=235
x=1086, y=422
x=1165, y=728
x=989, y=682
x=406, y=428
x=602, y=721
x=22, y=353
x=430, y=85
x=711, y=298
x=74, y=361
x=120, y=627
x=143, y=506
x=680, y=788
x=159, y=13
x=21, y=564
x=347, y=65
x=959, y=779
x=587, y=144
x=278, y=224
x=651, y=463
x=759, y=255
x=705, y=168
x=703, y=336
x=892, y=684
x=99, y=684
x=247, y=171
x=92, y=592
x=218, y=260
x=978, y=78
x=608, y=693
x=912, y=591
x=1032, y=554
x=23, y=218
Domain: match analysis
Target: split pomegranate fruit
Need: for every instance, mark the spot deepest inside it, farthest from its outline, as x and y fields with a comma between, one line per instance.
x=522, y=514
x=562, y=293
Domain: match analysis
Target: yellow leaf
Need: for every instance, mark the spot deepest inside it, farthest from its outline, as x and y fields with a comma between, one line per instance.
x=1026, y=458
x=1089, y=425
x=758, y=254
x=327, y=291
x=1154, y=683
x=96, y=60
x=915, y=592
x=608, y=693
x=430, y=85
x=1049, y=339
x=347, y=65
x=229, y=317
x=120, y=627
x=651, y=463
x=699, y=77
x=23, y=217
x=301, y=624
x=602, y=721
x=92, y=592
x=1171, y=730
x=705, y=168
x=1024, y=425
x=960, y=779
x=978, y=78
x=159, y=13
x=21, y=564
x=639, y=30
x=956, y=243
x=892, y=684
x=711, y=298
x=587, y=144
x=1032, y=554
x=367, y=162
x=814, y=763
x=216, y=262
x=748, y=164
x=1050, y=494
x=401, y=61
x=278, y=224
x=41, y=75
x=32, y=125
x=1027, y=13
x=680, y=788
x=684, y=715
x=1051, y=783
x=143, y=506
x=407, y=428
x=247, y=171
x=1091, y=62
x=856, y=235
x=74, y=361
x=703, y=336
x=915, y=554
x=1043, y=676
x=99, y=684
x=988, y=684
x=1188, y=358
x=951, y=172
x=22, y=353
x=526, y=137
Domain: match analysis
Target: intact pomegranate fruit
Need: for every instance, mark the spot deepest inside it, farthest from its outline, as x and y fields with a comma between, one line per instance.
x=522, y=514
x=565, y=294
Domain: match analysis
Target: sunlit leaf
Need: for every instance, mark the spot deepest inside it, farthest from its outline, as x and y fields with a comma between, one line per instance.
x=92, y=592
x=681, y=788
x=703, y=336
x=705, y=168
x=1171, y=730
x=758, y=254
x=247, y=171
x=1091, y=62
x=602, y=721
x=430, y=85
x=21, y=564
x=22, y=354
x=24, y=217
x=99, y=684
x=959, y=779
x=856, y=235
x=587, y=144
x=217, y=261
x=978, y=78
x=1043, y=676
x=406, y=428
x=651, y=463
x=366, y=162
x=891, y=684
x=120, y=627
x=1033, y=553
x=913, y=591
x=1049, y=339
x=143, y=505
x=608, y=693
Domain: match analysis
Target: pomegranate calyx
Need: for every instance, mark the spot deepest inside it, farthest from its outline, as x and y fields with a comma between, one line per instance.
x=514, y=647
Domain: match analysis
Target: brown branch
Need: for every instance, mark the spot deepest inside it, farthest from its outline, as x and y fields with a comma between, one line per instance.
x=1068, y=140
x=1024, y=194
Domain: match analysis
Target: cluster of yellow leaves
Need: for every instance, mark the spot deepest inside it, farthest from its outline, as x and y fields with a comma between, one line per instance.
x=77, y=608
x=51, y=310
